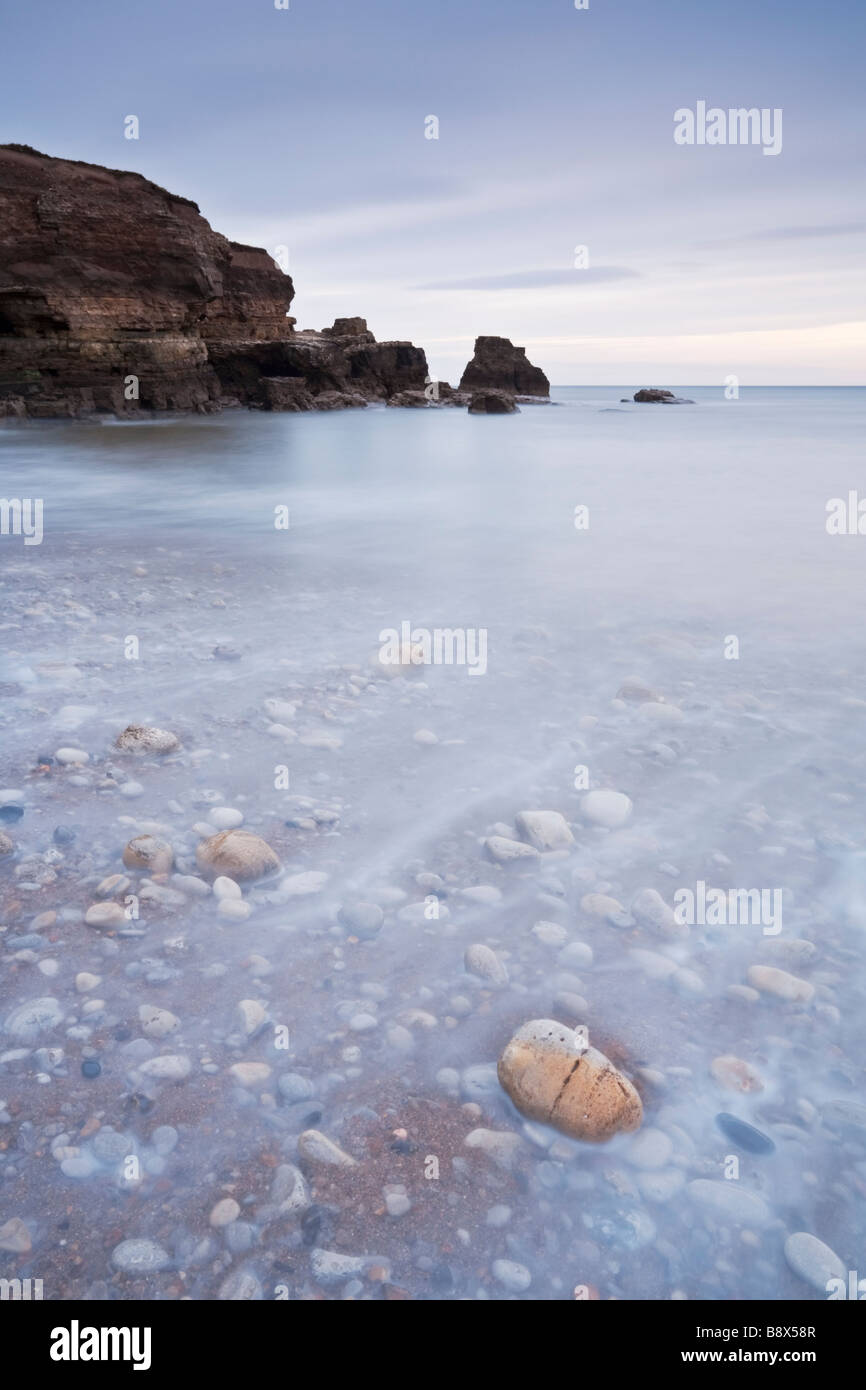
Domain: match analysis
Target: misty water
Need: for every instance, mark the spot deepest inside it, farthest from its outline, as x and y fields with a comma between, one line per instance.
x=702, y=570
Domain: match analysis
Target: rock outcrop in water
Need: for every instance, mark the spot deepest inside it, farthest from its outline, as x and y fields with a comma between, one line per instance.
x=654, y=395
x=500, y=366
x=117, y=296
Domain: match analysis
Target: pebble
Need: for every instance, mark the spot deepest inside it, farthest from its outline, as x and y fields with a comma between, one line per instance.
x=814, y=1261
x=361, y=919
x=425, y=736
x=545, y=830
x=139, y=1257
x=484, y=963
x=745, y=1136
x=144, y=738
x=551, y=1078
x=770, y=980
x=600, y=905
x=149, y=852
x=15, y=1237
x=105, y=915
x=301, y=885
x=170, y=1067
x=71, y=757
x=131, y=789
x=318, y=1148
x=224, y=887
x=500, y=1145
x=731, y=1201
x=6, y=845
x=156, y=1022
x=234, y=909
x=397, y=1203
x=114, y=884
x=606, y=808
x=252, y=1014
x=505, y=851
x=511, y=1275
x=84, y=981
x=236, y=854
x=293, y=1086
x=550, y=933
x=651, y=1148
x=225, y=817
x=224, y=1213
x=28, y=1021
x=649, y=907
x=736, y=1075
x=242, y=1285
x=250, y=1073
x=333, y=1267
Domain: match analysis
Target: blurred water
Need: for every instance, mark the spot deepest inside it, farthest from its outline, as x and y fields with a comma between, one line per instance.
x=706, y=522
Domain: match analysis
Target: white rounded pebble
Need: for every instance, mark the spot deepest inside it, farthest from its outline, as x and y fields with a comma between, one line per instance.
x=105, y=915
x=139, y=1256
x=511, y=1275
x=607, y=808
x=234, y=909
x=131, y=789
x=226, y=817
x=224, y=887
x=814, y=1261
x=70, y=757
x=224, y=1213
x=84, y=981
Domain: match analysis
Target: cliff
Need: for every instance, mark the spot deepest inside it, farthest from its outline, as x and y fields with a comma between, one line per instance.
x=117, y=296
x=498, y=365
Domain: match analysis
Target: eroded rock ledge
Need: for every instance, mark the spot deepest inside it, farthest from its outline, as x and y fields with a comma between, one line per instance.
x=117, y=297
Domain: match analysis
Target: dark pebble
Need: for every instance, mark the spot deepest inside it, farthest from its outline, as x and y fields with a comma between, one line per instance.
x=64, y=834
x=44, y=760
x=10, y=814
x=442, y=1278
x=743, y=1135
x=90, y=1068
x=122, y=1034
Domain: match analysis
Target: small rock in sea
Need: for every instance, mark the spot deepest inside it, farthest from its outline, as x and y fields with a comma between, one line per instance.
x=224, y=887
x=253, y=1074
x=649, y=907
x=301, y=885
x=6, y=845
x=551, y=1076
x=636, y=691
x=64, y=834
x=234, y=909
x=498, y=1144
x=91, y=1068
x=292, y=1086
x=156, y=1022
x=150, y=853
x=650, y=1149
x=770, y=980
x=224, y=1213
x=280, y=710
x=143, y=738
x=252, y=1014
x=236, y=854
x=105, y=915
x=318, y=1148
x=397, y=1203
x=545, y=830
x=84, y=981
x=333, y=1267
x=139, y=1257
x=170, y=1067
x=735, y=1074
x=15, y=1237
x=72, y=757
x=241, y=1286
x=9, y=815
x=814, y=1261
x=109, y=887
x=479, y=960
x=600, y=905
x=745, y=1136
x=131, y=789
x=28, y=1021
x=504, y=850
x=425, y=736
x=731, y=1202
x=225, y=817
x=606, y=808
x=361, y=919
x=550, y=933
x=226, y=653
x=511, y=1275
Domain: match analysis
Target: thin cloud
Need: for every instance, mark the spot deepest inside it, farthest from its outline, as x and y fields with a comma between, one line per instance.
x=791, y=234
x=536, y=279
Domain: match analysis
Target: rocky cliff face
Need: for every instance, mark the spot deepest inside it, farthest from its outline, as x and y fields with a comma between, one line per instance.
x=500, y=366
x=117, y=296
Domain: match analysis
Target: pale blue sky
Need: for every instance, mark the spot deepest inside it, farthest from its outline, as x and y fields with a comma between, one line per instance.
x=306, y=128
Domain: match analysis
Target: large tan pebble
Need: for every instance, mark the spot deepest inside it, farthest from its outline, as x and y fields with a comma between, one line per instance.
x=606, y=808
x=552, y=1077
x=105, y=915
x=236, y=854
x=770, y=980
x=150, y=853
x=599, y=905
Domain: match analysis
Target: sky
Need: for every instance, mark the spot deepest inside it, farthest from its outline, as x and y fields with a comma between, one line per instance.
x=307, y=128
